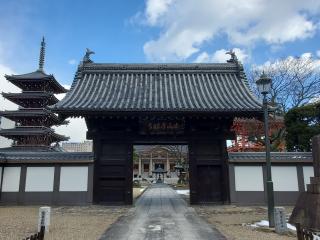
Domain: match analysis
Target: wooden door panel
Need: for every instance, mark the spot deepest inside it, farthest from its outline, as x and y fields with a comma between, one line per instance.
x=113, y=173
x=206, y=183
x=209, y=184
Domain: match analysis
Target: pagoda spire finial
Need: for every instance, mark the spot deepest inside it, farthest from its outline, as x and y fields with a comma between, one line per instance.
x=42, y=54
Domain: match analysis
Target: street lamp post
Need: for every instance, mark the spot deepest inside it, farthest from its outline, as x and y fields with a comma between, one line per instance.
x=264, y=86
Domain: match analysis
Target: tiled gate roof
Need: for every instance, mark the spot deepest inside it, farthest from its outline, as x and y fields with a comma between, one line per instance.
x=159, y=88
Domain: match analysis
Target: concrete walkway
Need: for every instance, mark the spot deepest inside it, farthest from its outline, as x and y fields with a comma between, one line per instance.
x=161, y=214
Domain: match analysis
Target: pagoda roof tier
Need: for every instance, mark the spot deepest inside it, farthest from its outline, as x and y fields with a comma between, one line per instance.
x=37, y=80
x=31, y=99
x=216, y=88
x=47, y=117
x=18, y=132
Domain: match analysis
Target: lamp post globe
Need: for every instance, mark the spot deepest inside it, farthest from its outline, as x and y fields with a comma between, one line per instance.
x=264, y=84
x=264, y=87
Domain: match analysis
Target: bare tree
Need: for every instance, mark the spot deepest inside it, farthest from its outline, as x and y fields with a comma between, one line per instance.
x=179, y=151
x=295, y=81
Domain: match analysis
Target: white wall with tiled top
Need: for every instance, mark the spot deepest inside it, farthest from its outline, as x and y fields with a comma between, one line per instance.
x=11, y=179
x=285, y=178
x=248, y=178
x=39, y=179
x=73, y=179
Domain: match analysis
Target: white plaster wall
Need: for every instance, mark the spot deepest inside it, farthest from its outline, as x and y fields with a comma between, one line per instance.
x=285, y=178
x=74, y=179
x=11, y=179
x=248, y=178
x=39, y=179
x=307, y=173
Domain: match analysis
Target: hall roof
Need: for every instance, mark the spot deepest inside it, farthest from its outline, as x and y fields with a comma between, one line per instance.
x=104, y=88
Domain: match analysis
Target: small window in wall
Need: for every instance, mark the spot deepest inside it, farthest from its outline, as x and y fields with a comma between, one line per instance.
x=74, y=179
x=11, y=179
x=39, y=179
x=285, y=178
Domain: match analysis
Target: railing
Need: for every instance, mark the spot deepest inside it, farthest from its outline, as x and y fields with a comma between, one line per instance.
x=306, y=234
x=37, y=236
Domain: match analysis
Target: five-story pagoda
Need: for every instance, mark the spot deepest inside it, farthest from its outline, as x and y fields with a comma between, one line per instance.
x=33, y=120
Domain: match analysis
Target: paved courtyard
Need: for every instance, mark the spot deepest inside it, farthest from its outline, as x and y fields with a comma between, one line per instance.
x=161, y=214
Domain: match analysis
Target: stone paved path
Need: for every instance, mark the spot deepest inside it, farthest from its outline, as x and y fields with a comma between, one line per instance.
x=161, y=214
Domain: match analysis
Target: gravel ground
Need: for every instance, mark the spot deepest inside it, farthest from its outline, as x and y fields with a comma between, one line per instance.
x=229, y=219
x=70, y=223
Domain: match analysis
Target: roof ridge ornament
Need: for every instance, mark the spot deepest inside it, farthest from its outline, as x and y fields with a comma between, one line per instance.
x=42, y=55
x=86, y=58
x=233, y=56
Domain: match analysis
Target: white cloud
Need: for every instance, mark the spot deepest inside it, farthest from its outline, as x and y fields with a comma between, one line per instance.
x=220, y=56
x=187, y=24
x=203, y=57
x=315, y=61
x=315, y=100
x=76, y=129
x=7, y=87
x=155, y=9
x=72, y=61
x=318, y=53
x=306, y=55
x=62, y=95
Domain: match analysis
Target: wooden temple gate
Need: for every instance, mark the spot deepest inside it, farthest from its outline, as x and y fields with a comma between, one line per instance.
x=113, y=150
x=129, y=104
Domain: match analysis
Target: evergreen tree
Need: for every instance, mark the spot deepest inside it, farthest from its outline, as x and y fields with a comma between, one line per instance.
x=302, y=123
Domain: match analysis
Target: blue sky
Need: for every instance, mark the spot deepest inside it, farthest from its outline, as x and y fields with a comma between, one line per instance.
x=153, y=31
x=118, y=30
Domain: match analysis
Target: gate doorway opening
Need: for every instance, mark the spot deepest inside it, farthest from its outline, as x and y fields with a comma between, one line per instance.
x=161, y=164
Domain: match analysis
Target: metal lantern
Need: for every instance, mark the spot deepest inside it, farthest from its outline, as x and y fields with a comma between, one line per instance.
x=264, y=84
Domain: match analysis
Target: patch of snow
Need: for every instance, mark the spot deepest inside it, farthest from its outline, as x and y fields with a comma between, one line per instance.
x=262, y=223
x=315, y=237
x=265, y=223
x=291, y=227
x=183, y=192
x=155, y=227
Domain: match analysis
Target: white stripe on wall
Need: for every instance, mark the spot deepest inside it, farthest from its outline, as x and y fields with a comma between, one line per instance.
x=248, y=178
x=11, y=179
x=39, y=179
x=74, y=179
x=307, y=173
x=285, y=178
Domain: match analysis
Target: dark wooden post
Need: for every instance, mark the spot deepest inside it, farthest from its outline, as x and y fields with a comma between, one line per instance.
x=316, y=155
x=41, y=233
x=299, y=231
